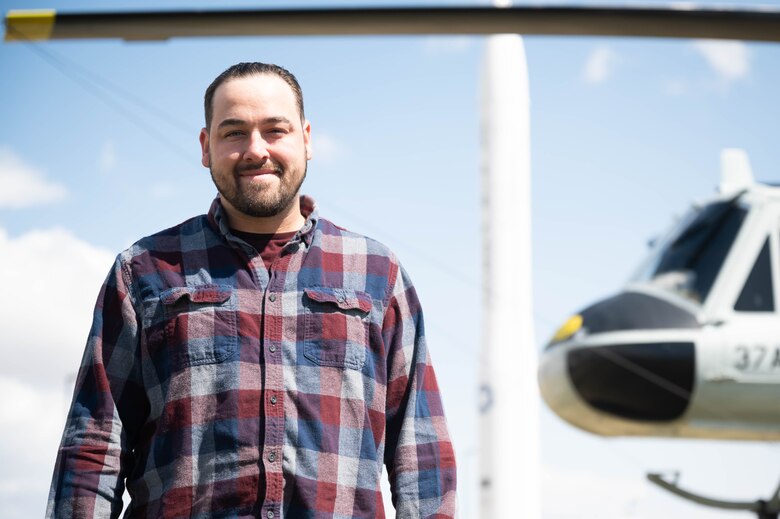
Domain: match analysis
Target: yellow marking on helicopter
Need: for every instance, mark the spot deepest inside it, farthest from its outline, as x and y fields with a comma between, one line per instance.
x=569, y=328
x=29, y=25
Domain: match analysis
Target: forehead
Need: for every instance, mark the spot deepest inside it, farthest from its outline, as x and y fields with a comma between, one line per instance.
x=258, y=92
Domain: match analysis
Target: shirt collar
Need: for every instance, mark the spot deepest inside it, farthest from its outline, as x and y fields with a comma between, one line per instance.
x=218, y=219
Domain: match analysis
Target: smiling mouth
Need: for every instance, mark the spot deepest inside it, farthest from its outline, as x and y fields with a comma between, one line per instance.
x=253, y=170
x=257, y=172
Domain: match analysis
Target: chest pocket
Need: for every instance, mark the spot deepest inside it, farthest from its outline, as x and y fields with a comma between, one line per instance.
x=336, y=327
x=199, y=326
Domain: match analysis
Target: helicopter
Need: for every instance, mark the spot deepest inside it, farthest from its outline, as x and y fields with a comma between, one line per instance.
x=688, y=347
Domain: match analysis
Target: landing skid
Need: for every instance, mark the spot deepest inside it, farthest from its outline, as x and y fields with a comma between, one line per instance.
x=764, y=509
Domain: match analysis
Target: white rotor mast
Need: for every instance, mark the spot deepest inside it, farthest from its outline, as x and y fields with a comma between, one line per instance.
x=509, y=396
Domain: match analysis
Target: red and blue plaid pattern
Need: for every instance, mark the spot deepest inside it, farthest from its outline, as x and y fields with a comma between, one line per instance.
x=215, y=388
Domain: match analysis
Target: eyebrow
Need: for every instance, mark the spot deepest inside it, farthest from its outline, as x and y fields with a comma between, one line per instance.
x=267, y=120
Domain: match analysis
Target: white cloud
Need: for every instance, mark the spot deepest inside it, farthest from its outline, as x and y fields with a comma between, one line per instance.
x=438, y=45
x=50, y=281
x=599, y=65
x=730, y=60
x=107, y=159
x=31, y=423
x=23, y=185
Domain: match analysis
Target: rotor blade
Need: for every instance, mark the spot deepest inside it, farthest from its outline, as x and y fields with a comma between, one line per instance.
x=760, y=25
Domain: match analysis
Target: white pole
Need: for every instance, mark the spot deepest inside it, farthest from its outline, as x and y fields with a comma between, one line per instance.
x=509, y=401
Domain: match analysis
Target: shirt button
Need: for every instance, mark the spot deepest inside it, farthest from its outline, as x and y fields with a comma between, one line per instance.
x=270, y=514
x=272, y=457
x=273, y=400
x=272, y=297
x=272, y=348
x=341, y=299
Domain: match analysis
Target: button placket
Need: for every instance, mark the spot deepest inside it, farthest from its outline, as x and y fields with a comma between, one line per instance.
x=274, y=383
x=272, y=299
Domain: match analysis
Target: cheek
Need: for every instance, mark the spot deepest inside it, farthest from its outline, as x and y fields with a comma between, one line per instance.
x=225, y=155
x=293, y=152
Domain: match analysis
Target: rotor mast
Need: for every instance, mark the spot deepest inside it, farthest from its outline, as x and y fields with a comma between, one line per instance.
x=509, y=396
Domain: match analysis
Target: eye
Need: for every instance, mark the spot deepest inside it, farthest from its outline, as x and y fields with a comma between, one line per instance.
x=234, y=133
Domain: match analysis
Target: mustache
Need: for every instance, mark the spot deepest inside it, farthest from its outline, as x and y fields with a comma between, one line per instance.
x=258, y=166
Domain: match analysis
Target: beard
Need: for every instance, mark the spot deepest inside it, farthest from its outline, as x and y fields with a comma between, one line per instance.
x=258, y=201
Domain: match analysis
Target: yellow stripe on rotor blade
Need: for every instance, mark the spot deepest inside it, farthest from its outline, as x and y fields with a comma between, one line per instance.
x=24, y=25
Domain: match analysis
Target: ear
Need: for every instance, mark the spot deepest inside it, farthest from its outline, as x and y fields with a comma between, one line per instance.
x=205, y=158
x=307, y=138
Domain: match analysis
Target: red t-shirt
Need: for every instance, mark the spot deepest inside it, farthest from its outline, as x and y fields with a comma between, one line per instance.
x=268, y=245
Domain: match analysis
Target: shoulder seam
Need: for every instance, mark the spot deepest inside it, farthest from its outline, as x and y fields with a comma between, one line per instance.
x=393, y=276
x=126, y=275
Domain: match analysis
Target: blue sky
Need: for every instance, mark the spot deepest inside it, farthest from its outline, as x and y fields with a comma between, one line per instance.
x=98, y=147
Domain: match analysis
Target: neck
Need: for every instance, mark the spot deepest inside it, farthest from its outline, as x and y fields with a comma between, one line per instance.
x=288, y=220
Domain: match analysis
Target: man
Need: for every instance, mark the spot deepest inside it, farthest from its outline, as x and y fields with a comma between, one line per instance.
x=257, y=361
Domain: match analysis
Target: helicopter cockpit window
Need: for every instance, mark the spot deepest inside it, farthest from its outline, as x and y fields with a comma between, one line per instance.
x=688, y=263
x=757, y=294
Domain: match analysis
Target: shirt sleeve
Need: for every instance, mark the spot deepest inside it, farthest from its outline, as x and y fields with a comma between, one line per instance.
x=106, y=412
x=418, y=452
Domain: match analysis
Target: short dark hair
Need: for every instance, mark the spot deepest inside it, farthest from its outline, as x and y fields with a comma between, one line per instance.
x=245, y=69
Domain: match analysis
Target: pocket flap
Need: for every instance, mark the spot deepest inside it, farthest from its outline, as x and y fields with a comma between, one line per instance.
x=344, y=299
x=199, y=294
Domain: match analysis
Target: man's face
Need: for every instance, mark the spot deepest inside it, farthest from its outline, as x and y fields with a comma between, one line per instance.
x=257, y=147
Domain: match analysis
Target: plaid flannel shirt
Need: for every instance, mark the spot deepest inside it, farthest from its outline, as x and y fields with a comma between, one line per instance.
x=217, y=389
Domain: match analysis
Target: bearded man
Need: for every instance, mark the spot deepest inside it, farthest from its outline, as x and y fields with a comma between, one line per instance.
x=258, y=360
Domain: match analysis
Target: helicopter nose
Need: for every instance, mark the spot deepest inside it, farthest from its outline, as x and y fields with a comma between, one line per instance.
x=610, y=359
x=642, y=382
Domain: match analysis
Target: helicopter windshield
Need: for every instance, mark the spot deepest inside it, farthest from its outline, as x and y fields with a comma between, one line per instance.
x=689, y=260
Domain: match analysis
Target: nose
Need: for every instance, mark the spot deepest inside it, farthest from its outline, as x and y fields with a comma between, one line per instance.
x=257, y=148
